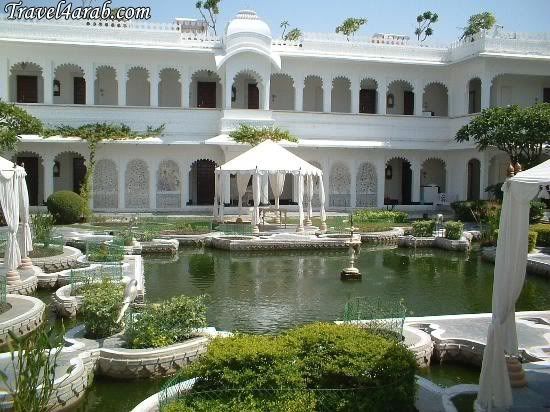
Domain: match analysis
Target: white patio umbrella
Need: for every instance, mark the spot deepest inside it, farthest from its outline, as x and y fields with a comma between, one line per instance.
x=510, y=265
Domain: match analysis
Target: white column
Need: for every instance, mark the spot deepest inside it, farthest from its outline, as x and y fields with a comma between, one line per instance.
x=227, y=95
x=89, y=76
x=121, y=164
x=380, y=181
x=353, y=188
x=184, y=168
x=483, y=176
x=382, y=93
x=415, y=190
x=154, y=78
x=418, y=94
x=486, y=82
x=47, y=73
x=122, y=78
x=4, y=79
x=266, y=94
x=298, y=94
x=327, y=94
x=355, y=91
x=48, y=162
x=226, y=195
x=153, y=166
x=185, y=87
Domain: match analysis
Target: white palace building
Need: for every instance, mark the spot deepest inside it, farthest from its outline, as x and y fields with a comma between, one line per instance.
x=378, y=115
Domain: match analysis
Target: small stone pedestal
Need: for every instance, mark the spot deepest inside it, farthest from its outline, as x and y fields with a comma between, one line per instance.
x=307, y=222
x=13, y=278
x=351, y=272
x=515, y=372
x=26, y=263
x=323, y=227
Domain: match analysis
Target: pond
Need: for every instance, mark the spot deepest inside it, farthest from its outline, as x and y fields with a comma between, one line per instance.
x=270, y=292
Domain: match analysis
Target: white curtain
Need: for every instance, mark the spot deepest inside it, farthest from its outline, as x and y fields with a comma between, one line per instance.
x=309, y=196
x=277, y=182
x=265, y=189
x=300, y=202
x=322, y=199
x=256, y=189
x=25, y=241
x=510, y=265
x=242, y=184
x=9, y=199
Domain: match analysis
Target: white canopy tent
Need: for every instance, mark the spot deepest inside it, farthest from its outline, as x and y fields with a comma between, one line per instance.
x=14, y=199
x=510, y=266
x=268, y=161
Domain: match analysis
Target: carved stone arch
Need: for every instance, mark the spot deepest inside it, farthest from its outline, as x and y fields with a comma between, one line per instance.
x=368, y=82
x=366, y=185
x=22, y=65
x=137, y=184
x=433, y=171
x=340, y=185
x=34, y=164
x=408, y=83
x=282, y=92
x=436, y=82
x=201, y=182
x=250, y=72
x=64, y=66
x=205, y=89
x=313, y=95
x=341, y=94
x=169, y=185
x=26, y=82
x=105, y=185
x=170, y=87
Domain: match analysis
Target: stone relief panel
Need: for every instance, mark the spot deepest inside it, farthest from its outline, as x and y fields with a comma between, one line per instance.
x=366, y=185
x=168, y=185
x=340, y=186
x=105, y=185
x=137, y=185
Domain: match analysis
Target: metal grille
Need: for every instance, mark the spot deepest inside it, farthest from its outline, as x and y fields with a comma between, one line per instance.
x=382, y=316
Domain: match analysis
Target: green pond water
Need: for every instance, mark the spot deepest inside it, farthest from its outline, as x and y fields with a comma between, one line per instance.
x=270, y=292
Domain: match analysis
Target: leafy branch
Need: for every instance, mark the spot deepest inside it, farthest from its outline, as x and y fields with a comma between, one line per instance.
x=350, y=26
x=255, y=135
x=424, y=21
x=212, y=8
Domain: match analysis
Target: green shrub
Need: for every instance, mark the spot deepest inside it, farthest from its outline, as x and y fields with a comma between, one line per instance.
x=543, y=234
x=100, y=308
x=66, y=207
x=423, y=228
x=367, y=215
x=532, y=241
x=42, y=228
x=453, y=230
x=474, y=210
x=167, y=323
x=359, y=371
x=536, y=211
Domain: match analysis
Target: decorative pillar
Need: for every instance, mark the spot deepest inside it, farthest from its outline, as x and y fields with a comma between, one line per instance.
x=153, y=167
x=353, y=185
x=226, y=195
x=185, y=76
x=121, y=164
x=89, y=77
x=47, y=73
x=355, y=92
x=185, y=167
x=327, y=94
x=154, y=78
x=380, y=182
x=382, y=93
x=418, y=97
x=48, y=162
x=122, y=78
x=486, y=82
x=4, y=79
x=266, y=94
x=227, y=88
x=415, y=190
x=299, y=94
x=483, y=176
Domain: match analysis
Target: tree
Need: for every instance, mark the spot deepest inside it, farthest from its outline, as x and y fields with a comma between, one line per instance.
x=478, y=22
x=424, y=21
x=253, y=135
x=94, y=134
x=212, y=8
x=15, y=121
x=522, y=133
x=293, y=35
x=284, y=26
x=350, y=26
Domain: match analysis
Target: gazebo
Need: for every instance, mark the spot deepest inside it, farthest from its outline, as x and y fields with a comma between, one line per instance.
x=14, y=199
x=510, y=265
x=269, y=162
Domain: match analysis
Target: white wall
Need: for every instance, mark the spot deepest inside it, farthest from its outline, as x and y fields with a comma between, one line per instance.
x=524, y=90
x=313, y=94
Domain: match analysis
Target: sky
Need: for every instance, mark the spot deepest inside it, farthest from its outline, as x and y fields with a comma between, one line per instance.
x=384, y=16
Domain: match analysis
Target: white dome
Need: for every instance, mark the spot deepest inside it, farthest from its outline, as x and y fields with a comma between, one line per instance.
x=247, y=21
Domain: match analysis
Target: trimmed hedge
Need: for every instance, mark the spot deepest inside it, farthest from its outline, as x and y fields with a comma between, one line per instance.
x=390, y=216
x=464, y=211
x=363, y=372
x=454, y=230
x=543, y=234
x=167, y=323
x=423, y=228
x=66, y=207
x=536, y=211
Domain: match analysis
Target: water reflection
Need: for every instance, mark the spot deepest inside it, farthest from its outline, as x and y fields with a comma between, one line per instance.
x=268, y=291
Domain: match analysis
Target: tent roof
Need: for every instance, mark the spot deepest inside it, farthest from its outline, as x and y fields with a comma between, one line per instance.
x=7, y=168
x=536, y=175
x=269, y=157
